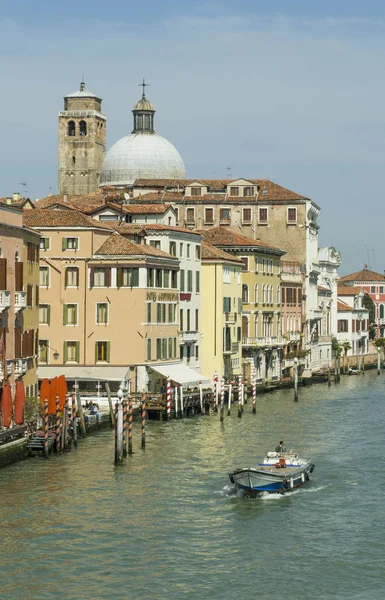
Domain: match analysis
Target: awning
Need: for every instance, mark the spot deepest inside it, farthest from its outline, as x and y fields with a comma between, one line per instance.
x=180, y=373
x=95, y=373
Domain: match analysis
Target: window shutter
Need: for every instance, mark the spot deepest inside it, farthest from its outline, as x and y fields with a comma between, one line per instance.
x=3, y=274
x=48, y=314
x=92, y=277
x=46, y=243
x=77, y=351
x=108, y=277
x=76, y=243
x=64, y=244
x=76, y=313
x=119, y=277
x=65, y=352
x=96, y=352
x=37, y=296
x=65, y=314
x=18, y=276
x=135, y=278
x=66, y=277
x=108, y=352
x=17, y=342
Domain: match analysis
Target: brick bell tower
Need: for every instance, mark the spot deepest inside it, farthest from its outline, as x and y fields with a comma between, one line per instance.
x=82, y=143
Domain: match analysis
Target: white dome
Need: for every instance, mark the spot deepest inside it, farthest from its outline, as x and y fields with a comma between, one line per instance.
x=141, y=156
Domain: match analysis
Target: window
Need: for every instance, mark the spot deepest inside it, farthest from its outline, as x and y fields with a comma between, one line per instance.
x=44, y=314
x=171, y=313
x=45, y=243
x=170, y=347
x=209, y=215
x=102, y=313
x=150, y=277
x=381, y=311
x=164, y=348
x=224, y=215
x=71, y=351
x=381, y=289
x=107, y=218
x=127, y=277
x=188, y=353
x=196, y=191
x=70, y=314
x=248, y=191
x=148, y=349
x=83, y=128
x=343, y=325
x=188, y=250
x=226, y=304
x=197, y=252
x=278, y=294
x=196, y=352
x=181, y=250
x=256, y=264
x=188, y=320
x=292, y=215
x=373, y=289
x=245, y=293
x=29, y=295
x=100, y=277
x=158, y=349
x=196, y=320
x=32, y=252
x=173, y=248
x=181, y=320
x=256, y=293
x=149, y=312
x=262, y=216
x=245, y=261
x=190, y=216
x=71, y=128
x=43, y=351
x=226, y=274
x=70, y=243
x=71, y=277
x=189, y=281
x=155, y=244
x=102, y=352
x=166, y=279
x=234, y=191
x=198, y=282
x=44, y=276
x=182, y=280
x=246, y=215
x=160, y=313
x=174, y=279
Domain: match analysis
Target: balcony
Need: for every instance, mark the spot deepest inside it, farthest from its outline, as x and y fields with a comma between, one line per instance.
x=20, y=300
x=5, y=300
x=188, y=337
x=315, y=313
x=18, y=366
x=264, y=342
x=9, y=369
x=231, y=317
x=294, y=336
x=288, y=363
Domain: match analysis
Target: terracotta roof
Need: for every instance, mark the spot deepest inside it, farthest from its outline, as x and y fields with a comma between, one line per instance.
x=86, y=201
x=363, y=275
x=128, y=228
x=221, y=236
x=210, y=252
x=321, y=288
x=118, y=245
x=348, y=290
x=161, y=227
x=59, y=218
x=162, y=196
x=343, y=306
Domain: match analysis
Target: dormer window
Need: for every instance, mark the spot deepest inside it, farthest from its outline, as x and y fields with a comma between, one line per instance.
x=196, y=191
x=248, y=191
x=234, y=191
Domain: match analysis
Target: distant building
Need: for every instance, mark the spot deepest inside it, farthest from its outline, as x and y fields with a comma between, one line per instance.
x=352, y=321
x=373, y=284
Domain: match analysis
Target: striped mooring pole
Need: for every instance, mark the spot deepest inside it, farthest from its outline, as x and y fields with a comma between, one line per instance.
x=181, y=401
x=143, y=408
x=124, y=407
x=222, y=399
x=229, y=398
x=215, y=407
x=74, y=422
x=168, y=398
x=46, y=447
x=201, y=396
x=239, y=396
x=130, y=424
x=57, y=424
x=254, y=376
x=176, y=400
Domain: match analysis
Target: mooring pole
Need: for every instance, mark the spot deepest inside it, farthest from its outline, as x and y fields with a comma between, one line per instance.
x=143, y=407
x=176, y=400
x=329, y=377
x=118, y=433
x=74, y=421
x=168, y=398
x=80, y=411
x=130, y=424
x=239, y=396
x=215, y=407
x=201, y=396
x=378, y=360
x=124, y=441
x=57, y=424
x=296, y=380
x=254, y=379
x=181, y=401
x=112, y=415
x=222, y=399
x=229, y=398
x=46, y=447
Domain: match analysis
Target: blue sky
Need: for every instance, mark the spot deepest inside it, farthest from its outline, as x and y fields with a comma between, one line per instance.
x=290, y=91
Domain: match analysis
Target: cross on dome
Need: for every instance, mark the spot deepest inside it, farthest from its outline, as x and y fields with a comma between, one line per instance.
x=143, y=85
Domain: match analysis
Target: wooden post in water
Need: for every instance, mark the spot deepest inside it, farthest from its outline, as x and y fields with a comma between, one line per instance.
x=242, y=392
x=64, y=428
x=254, y=381
x=74, y=422
x=168, y=398
x=222, y=399
x=239, y=396
x=229, y=397
x=378, y=360
x=182, y=414
x=57, y=424
x=143, y=410
x=69, y=423
x=215, y=407
x=80, y=411
x=201, y=396
x=338, y=368
x=45, y=417
x=329, y=377
x=130, y=424
x=124, y=434
x=112, y=415
x=363, y=364
x=176, y=401
x=118, y=433
x=296, y=380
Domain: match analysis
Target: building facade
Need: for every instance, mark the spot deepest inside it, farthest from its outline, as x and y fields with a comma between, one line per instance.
x=372, y=284
x=352, y=321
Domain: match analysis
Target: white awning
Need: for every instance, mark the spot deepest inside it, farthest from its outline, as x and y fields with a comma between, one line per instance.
x=95, y=373
x=180, y=373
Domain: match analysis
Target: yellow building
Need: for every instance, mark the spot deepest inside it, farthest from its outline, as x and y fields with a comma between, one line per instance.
x=221, y=322
x=262, y=338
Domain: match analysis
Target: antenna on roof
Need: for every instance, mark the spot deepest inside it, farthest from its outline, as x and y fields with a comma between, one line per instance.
x=24, y=184
x=228, y=169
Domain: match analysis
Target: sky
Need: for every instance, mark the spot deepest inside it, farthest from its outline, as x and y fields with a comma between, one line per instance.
x=288, y=91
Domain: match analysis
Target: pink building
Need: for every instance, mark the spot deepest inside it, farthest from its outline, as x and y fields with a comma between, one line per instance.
x=372, y=284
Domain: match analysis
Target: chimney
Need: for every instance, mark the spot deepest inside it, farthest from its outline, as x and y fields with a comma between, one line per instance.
x=15, y=196
x=65, y=198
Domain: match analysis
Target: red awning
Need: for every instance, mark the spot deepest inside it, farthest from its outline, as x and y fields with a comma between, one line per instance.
x=62, y=390
x=44, y=390
x=53, y=392
x=6, y=405
x=19, y=403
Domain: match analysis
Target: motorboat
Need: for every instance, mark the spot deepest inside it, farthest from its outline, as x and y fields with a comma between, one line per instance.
x=279, y=472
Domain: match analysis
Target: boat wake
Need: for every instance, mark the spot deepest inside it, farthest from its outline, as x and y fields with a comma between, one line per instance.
x=230, y=491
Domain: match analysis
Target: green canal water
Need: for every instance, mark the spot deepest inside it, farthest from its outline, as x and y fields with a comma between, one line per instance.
x=168, y=525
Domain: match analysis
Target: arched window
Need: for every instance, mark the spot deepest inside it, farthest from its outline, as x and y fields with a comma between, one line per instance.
x=256, y=299
x=71, y=128
x=83, y=128
x=245, y=293
x=381, y=311
x=245, y=327
x=278, y=294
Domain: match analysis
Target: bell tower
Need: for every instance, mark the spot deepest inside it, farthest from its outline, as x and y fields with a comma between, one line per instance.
x=82, y=143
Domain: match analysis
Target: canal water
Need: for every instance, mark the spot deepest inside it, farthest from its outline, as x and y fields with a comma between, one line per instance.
x=168, y=525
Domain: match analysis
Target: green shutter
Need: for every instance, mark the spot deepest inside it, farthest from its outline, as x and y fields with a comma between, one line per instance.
x=46, y=243
x=108, y=352
x=49, y=314
x=65, y=314
x=135, y=278
x=76, y=244
x=76, y=313
x=96, y=352
x=119, y=277
x=64, y=244
x=65, y=353
x=77, y=352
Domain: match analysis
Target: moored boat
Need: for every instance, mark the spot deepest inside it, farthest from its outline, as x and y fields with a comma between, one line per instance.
x=279, y=472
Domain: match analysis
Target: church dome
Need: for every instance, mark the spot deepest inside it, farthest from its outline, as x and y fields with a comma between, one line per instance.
x=143, y=154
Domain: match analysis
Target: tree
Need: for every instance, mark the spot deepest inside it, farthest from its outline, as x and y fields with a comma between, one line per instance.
x=368, y=303
x=336, y=348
